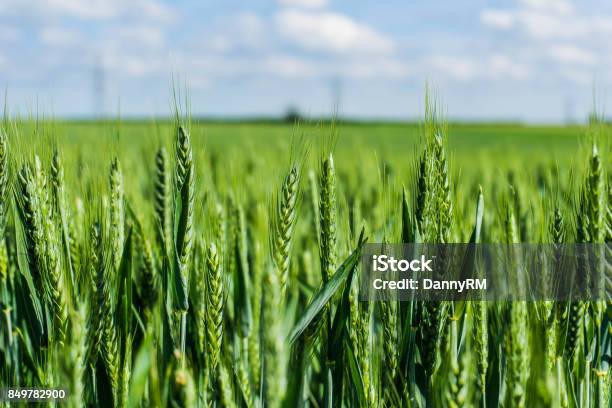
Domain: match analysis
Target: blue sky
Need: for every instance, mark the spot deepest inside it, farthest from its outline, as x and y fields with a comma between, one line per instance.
x=531, y=60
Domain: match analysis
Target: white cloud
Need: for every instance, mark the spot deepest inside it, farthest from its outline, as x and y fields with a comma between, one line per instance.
x=547, y=19
x=304, y=3
x=96, y=9
x=500, y=19
x=544, y=26
x=91, y=9
x=465, y=68
x=156, y=10
x=331, y=32
x=557, y=37
x=550, y=6
x=572, y=54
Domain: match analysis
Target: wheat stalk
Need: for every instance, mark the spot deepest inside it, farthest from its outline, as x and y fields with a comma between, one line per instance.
x=515, y=343
x=73, y=359
x=182, y=393
x=106, y=328
x=273, y=344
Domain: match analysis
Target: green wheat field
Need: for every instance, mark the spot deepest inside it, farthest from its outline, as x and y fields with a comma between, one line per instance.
x=180, y=263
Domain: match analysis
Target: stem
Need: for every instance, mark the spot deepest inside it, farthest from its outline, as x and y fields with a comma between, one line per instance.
x=183, y=332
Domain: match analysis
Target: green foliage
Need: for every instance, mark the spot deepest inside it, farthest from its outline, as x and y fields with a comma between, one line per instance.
x=146, y=286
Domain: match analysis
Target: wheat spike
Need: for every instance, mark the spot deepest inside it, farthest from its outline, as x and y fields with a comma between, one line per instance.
x=214, y=307
x=284, y=220
x=117, y=213
x=162, y=197
x=327, y=211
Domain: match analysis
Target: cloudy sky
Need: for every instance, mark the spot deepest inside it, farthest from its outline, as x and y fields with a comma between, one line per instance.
x=533, y=60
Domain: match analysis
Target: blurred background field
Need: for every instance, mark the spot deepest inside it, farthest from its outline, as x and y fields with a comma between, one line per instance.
x=389, y=137
x=478, y=153
x=475, y=145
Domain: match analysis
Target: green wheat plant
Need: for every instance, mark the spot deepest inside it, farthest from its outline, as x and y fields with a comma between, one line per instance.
x=208, y=268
